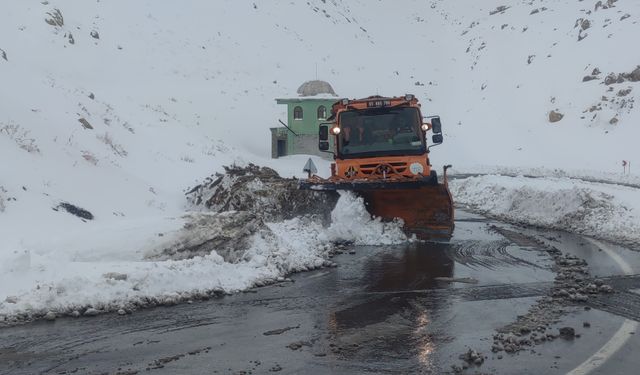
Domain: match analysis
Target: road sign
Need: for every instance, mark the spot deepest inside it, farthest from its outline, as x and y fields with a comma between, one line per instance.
x=310, y=167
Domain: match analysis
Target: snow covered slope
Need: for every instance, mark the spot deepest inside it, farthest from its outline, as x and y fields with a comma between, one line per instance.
x=115, y=107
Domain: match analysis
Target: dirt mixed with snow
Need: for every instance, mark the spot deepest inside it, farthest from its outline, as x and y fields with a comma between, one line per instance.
x=251, y=228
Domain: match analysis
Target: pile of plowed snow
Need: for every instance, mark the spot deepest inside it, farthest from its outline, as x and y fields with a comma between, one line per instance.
x=603, y=210
x=166, y=260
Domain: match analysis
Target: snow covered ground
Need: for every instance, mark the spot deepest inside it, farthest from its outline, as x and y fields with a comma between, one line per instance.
x=114, y=268
x=601, y=210
x=118, y=107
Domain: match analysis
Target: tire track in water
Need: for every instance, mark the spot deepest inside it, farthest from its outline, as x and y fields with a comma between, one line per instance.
x=488, y=254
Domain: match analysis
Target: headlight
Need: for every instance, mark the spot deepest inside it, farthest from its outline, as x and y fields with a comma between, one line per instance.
x=416, y=168
x=425, y=127
x=335, y=130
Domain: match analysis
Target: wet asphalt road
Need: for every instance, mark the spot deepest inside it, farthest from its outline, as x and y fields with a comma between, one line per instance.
x=392, y=309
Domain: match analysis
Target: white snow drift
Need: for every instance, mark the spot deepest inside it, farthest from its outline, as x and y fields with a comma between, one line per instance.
x=109, y=270
x=606, y=211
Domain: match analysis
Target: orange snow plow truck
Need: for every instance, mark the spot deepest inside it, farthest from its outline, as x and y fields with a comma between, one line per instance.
x=381, y=153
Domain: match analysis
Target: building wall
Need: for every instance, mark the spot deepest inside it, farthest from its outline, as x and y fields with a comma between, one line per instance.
x=306, y=141
x=308, y=144
x=309, y=123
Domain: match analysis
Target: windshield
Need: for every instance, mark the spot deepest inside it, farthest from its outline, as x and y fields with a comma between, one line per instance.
x=380, y=132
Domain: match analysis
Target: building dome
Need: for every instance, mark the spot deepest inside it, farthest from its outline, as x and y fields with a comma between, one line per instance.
x=313, y=88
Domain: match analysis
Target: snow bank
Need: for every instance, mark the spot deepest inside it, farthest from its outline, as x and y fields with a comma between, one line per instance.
x=350, y=221
x=65, y=277
x=606, y=211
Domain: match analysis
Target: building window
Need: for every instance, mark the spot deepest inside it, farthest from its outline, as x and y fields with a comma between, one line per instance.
x=322, y=112
x=297, y=113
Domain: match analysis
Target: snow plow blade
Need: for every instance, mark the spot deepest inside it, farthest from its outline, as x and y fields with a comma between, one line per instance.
x=426, y=211
x=365, y=185
x=425, y=206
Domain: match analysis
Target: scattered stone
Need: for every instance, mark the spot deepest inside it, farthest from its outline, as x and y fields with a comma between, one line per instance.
x=298, y=344
x=472, y=357
x=85, y=123
x=624, y=92
x=586, y=324
x=585, y=24
x=612, y=78
x=555, y=116
x=122, y=312
x=55, y=19
x=567, y=333
x=75, y=313
x=50, y=316
x=499, y=9
x=91, y=312
x=605, y=289
x=94, y=34
x=634, y=76
x=75, y=210
x=275, y=368
x=578, y=297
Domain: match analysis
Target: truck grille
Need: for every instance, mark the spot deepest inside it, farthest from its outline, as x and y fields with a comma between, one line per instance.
x=368, y=169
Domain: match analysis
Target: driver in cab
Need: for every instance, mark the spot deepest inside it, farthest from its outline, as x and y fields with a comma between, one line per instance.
x=353, y=132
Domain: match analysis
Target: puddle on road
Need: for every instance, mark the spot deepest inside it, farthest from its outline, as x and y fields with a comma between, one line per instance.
x=401, y=310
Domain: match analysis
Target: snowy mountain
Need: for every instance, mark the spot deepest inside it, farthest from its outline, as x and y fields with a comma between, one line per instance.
x=117, y=107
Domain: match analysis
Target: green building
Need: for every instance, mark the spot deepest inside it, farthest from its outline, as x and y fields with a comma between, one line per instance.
x=304, y=115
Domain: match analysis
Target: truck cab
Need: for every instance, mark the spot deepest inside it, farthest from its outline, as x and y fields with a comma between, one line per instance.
x=380, y=138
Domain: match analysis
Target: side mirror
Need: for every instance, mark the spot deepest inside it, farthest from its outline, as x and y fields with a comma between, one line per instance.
x=323, y=134
x=323, y=138
x=437, y=139
x=436, y=125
